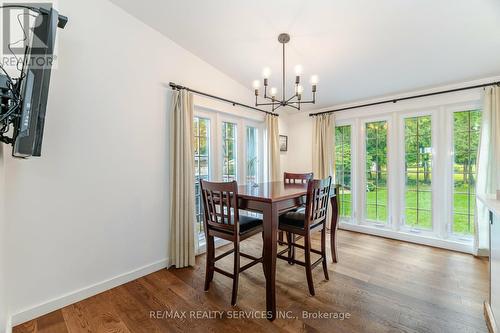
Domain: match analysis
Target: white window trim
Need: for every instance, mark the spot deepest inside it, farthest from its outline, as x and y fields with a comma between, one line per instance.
x=442, y=173
x=354, y=179
x=402, y=176
x=227, y=119
x=260, y=148
x=216, y=118
x=362, y=172
x=449, y=111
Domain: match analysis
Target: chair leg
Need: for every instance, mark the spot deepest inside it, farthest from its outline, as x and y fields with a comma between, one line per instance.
x=236, y=272
x=263, y=266
x=307, y=245
x=280, y=238
x=323, y=252
x=210, y=258
x=290, y=238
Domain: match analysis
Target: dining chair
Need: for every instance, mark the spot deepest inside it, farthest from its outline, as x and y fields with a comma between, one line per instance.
x=222, y=219
x=297, y=178
x=306, y=222
x=294, y=178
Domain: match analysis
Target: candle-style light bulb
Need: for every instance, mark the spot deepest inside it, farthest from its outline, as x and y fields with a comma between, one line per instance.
x=274, y=91
x=300, y=90
x=256, y=84
x=314, y=82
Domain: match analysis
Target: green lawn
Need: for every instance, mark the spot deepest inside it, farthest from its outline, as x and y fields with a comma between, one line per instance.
x=421, y=218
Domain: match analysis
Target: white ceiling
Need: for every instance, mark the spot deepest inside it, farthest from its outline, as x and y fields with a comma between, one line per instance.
x=359, y=48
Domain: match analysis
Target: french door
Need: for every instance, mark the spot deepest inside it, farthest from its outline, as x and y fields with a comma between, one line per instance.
x=227, y=148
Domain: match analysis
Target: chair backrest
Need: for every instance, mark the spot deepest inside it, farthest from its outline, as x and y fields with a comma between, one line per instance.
x=297, y=178
x=220, y=206
x=318, y=197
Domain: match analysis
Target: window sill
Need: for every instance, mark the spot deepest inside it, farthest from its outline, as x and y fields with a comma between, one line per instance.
x=448, y=244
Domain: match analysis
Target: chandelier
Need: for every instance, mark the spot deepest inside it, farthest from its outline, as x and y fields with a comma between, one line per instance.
x=295, y=100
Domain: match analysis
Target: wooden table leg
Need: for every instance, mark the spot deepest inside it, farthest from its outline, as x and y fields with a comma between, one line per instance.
x=333, y=226
x=270, y=248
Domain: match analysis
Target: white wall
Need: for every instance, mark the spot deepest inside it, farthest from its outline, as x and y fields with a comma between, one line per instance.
x=3, y=268
x=92, y=212
x=299, y=156
x=283, y=130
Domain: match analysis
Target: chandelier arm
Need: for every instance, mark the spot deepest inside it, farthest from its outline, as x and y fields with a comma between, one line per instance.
x=271, y=99
x=302, y=102
x=288, y=100
x=263, y=104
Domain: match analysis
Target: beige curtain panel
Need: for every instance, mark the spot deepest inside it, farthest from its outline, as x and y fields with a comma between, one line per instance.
x=323, y=145
x=182, y=233
x=273, y=149
x=488, y=172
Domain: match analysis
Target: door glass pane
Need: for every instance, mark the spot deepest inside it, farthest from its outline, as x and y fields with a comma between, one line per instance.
x=343, y=168
x=376, y=171
x=201, y=165
x=466, y=134
x=252, y=162
x=418, y=172
x=229, y=165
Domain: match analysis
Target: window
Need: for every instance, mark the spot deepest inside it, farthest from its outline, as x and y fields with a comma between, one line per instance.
x=376, y=171
x=418, y=172
x=252, y=162
x=343, y=168
x=415, y=181
x=229, y=165
x=220, y=139
x=466, y=133
x=201, y=164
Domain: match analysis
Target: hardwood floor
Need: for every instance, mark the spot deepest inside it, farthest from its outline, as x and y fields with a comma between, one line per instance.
x=384, y=285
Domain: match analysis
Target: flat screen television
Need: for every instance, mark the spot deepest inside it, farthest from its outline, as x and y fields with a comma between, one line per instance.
x=34, y=90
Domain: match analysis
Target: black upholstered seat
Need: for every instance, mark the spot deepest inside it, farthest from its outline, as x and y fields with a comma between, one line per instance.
x=248, y=223
x=294, y=219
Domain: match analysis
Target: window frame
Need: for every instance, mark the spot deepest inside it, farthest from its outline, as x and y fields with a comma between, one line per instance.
x=434, y=231
x=237, y=141
x=209, y=137
x=354, y=179
x=450, y=111
x=362, y=172
x=441, y=109
x=217, y=117
x=260, y=148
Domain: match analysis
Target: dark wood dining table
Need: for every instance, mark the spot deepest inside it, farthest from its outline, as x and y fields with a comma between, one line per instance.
x=272, y=199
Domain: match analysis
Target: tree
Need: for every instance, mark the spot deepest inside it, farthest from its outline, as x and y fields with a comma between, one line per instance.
x=466, y=127
x=376, y=149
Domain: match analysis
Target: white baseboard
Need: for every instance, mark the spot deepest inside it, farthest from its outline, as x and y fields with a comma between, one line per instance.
x=402, y=236
x=8, y=325
x=490, y=319
x=83, y=293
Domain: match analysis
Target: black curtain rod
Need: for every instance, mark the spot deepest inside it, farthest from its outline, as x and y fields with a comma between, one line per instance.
x=405, y=98
x=179, y=87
